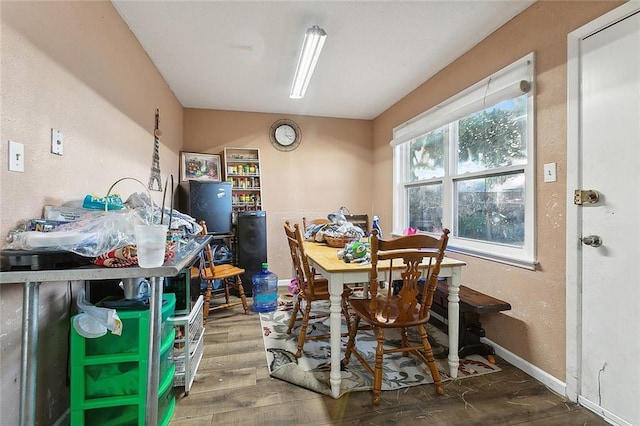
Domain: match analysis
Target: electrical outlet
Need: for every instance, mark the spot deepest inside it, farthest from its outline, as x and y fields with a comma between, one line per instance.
x=16, y=157
x=550, y=172
x=57, y=144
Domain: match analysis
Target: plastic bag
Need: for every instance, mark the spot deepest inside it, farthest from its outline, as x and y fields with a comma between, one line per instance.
x=88, y=237
x=93, y=233
x=93, y=321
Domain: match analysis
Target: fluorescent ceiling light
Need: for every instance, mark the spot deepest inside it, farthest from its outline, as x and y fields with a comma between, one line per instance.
x=312, y=46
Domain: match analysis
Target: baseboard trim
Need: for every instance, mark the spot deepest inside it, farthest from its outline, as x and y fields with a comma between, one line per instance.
x=540, y=375
x=606, y=415
x=64, y=419
x=284, y=283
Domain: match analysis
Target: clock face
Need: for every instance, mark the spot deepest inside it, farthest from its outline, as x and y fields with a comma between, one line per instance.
x=285, y=135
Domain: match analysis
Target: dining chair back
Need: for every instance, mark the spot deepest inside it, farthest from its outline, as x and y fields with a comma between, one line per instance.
x=318, y=221
x=386, y=308
x=229, y=276
x=311, y=288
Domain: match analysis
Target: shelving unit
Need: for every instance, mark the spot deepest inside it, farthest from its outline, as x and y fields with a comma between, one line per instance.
x=242, y=169
x=188, y=345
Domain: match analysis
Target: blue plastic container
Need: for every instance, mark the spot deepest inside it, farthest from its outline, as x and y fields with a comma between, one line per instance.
x=265, y=290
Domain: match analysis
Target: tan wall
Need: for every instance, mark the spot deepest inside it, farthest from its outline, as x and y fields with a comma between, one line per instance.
x=76, y=67
x=330, y=168
x=535, y=327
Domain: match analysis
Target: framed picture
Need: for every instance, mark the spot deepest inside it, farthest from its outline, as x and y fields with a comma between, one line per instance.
x=197, y=166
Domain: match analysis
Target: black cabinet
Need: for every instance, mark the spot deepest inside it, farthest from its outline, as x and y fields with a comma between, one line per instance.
x=251, y=245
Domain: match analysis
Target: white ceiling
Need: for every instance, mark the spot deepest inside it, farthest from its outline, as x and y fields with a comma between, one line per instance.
x=241, y=55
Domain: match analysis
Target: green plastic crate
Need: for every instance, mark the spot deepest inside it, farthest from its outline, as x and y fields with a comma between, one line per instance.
x=108, y=374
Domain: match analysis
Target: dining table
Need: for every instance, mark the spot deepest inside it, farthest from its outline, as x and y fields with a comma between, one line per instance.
x=325, y=261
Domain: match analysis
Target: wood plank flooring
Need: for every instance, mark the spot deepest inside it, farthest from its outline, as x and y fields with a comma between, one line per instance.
x=233, y=387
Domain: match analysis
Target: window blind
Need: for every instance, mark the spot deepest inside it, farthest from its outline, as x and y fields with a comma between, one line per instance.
x=510, y=82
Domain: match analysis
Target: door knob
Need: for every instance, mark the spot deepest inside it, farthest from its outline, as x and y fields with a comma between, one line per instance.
x=592, y=240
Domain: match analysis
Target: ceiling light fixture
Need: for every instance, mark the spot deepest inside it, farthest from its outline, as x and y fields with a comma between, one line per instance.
x=312, y=46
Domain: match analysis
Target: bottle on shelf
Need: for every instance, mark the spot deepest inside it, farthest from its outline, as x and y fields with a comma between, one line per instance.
x=265, y=290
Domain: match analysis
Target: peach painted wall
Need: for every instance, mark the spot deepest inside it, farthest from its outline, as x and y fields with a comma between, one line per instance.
x=76, y=67
x=535, y=327
x=331, y=167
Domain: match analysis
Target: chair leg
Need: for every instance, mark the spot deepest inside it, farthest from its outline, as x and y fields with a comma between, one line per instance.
x=243, y=298
x=431, y=363
x=345, y=313
x=294, y=314
x=207, y=302
x=227, y=295
x=352, y=340
x=303, y=328
x=405, y=340
x=377, y=376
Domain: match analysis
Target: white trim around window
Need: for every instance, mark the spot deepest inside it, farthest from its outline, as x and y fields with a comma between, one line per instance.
x=513, y=81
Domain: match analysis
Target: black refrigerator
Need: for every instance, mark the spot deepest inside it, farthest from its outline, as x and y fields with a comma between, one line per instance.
x=208, y=201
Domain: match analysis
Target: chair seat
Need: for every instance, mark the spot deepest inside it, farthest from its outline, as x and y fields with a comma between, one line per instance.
x=391, y=315
x=220, y=272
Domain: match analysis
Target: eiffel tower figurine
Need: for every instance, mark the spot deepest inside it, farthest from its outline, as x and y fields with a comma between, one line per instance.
x=155, y=165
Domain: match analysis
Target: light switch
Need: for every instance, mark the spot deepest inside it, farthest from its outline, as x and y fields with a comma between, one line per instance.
x=57, y=144
x=550, y=172
x=16, y=157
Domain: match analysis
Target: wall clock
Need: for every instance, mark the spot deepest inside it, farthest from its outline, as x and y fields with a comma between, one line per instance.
x=285, y=135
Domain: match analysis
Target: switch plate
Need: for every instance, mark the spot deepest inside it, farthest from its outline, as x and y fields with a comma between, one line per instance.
x=57, y=144
x=550, y=172
x=16, y=157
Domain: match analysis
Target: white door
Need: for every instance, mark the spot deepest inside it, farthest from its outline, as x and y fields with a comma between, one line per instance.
x=608, y=275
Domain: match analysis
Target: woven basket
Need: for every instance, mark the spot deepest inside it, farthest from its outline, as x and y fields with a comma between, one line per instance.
x=339, y=242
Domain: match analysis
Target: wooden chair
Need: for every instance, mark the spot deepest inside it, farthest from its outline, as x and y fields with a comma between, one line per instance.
x=312, y=288
x=230, y=276
x=318, y=221
x=421, y=254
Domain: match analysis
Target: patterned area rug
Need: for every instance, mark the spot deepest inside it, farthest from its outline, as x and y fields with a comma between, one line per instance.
x=311, y=371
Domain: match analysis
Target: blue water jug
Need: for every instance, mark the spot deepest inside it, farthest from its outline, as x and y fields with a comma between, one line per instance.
x=265, y=290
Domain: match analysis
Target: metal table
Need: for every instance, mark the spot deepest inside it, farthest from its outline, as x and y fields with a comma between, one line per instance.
x=30, y=303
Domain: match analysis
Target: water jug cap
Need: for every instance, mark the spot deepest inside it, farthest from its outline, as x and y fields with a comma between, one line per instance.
x=265, y=265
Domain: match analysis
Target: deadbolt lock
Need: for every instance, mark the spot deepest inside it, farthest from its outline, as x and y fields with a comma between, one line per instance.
x=585, y=196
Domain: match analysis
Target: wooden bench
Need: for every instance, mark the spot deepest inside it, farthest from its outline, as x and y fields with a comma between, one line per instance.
x=472, y=304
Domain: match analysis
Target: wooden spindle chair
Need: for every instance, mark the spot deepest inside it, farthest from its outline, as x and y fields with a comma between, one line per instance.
x=421, y=255
x=312, y=288
x=227, y=273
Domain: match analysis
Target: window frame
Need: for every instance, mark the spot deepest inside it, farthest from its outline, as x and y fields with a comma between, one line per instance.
x=465, y=103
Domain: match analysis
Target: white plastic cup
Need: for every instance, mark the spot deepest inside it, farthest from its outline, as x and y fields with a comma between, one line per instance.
x=152, y=242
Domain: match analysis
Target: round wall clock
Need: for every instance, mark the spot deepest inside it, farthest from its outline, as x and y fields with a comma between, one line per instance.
x=285, y=135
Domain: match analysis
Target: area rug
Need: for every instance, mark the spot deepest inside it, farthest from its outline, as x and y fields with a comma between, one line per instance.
x=311, y=371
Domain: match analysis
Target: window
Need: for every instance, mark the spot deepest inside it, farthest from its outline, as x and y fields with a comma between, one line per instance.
x=468, y=165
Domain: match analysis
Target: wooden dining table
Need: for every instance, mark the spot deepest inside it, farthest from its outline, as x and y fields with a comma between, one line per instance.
x=325, y=261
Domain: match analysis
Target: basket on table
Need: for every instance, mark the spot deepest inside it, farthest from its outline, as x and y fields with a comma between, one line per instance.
x=339, y=242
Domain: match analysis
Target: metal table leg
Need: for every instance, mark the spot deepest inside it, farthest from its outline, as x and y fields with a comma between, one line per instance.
x=29, y=360
x=155, y=340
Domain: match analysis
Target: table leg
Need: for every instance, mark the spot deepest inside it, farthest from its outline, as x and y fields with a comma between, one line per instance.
x=453, y=283
x=335, y=290
x=29, y=360
x=155, y=340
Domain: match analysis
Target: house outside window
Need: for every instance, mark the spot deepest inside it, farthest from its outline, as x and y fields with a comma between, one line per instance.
x=468, y=165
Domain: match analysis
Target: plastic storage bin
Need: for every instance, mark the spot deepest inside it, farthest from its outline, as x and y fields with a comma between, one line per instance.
x=188, y=347
x=109, y=374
